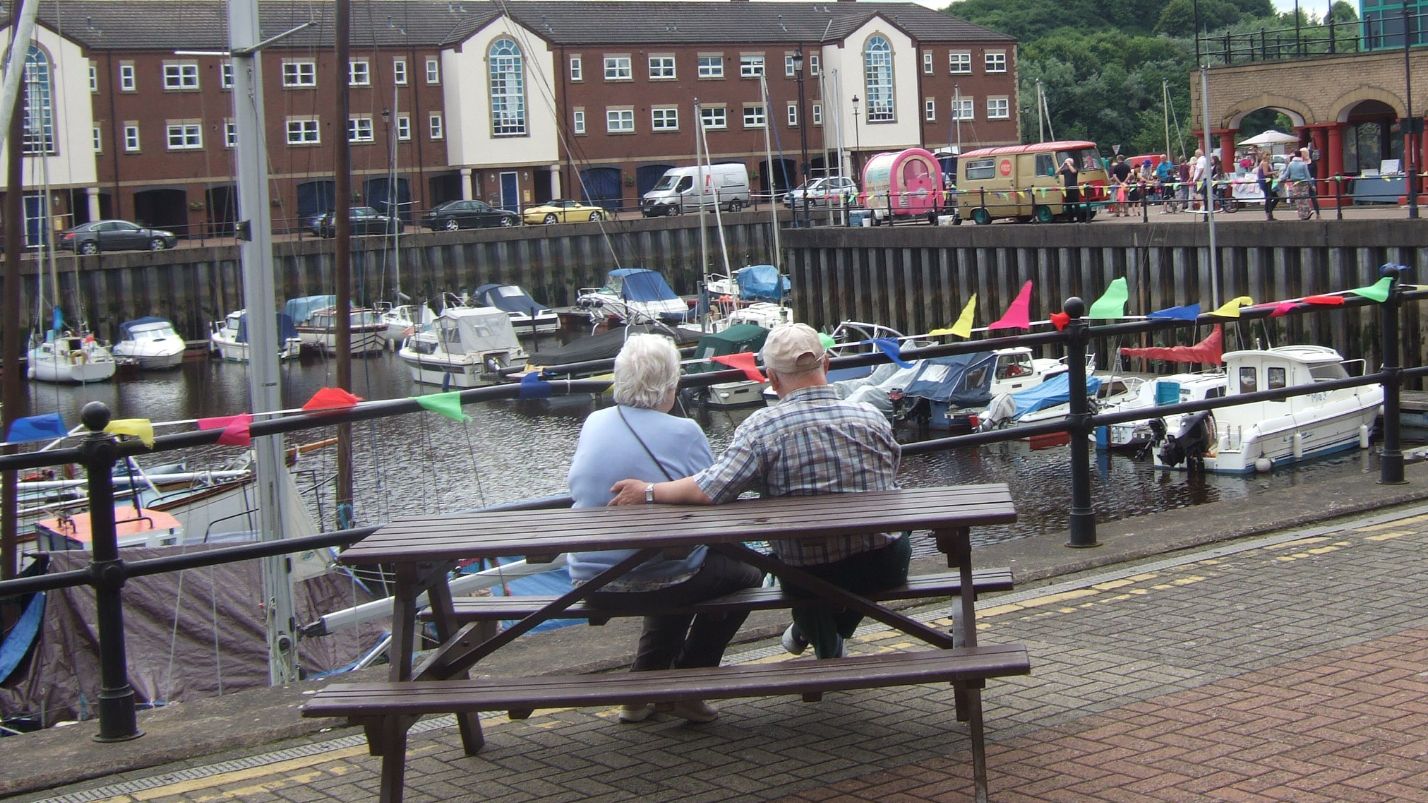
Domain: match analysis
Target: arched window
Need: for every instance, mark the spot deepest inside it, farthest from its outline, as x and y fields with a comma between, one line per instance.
x=39, y=103
x=878, y=80
x=508, y=89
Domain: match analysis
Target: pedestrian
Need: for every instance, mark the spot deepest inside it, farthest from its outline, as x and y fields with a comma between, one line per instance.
x=638, y=438
x=1296, y=176
x=1197, y=180
x=1165, y=175
x=809, y=443
x=1264, y=174
x=1120, y=176
x=1310, y=154
x=1071, y=191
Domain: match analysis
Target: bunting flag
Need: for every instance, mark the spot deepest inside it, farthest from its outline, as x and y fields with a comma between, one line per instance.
x=1284, y=308
x=1018, y=315
x=890, y=347
x=1189, y=312
x=827, y=340
x=330, y=399
x=744, y=361
x=1231, y=308
x=447, y=404
x=1325, y=301
x=963, y=326
x=1209, y=351
x=1378, y=291
x=140, y=428
x=1060, y=320
x=533, y=387
x=57, y=320
x=37, y=428
x=237, y=429
x=1112, y=303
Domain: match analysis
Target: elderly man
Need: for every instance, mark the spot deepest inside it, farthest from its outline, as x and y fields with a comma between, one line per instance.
x=810, y=443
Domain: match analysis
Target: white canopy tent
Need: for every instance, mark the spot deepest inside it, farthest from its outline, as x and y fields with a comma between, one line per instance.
x=1271, y=137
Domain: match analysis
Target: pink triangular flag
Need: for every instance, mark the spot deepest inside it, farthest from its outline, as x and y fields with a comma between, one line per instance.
x=744, y=361
x=1283, y=308
x=331, y=399
x=1018, y=315
x=236, y=428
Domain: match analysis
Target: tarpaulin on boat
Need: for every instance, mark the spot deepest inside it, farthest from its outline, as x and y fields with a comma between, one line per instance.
x=286, y=330
x=191, y=634
x=302, y=308
x=961, y=380
x=1055, y=390
x=1209, y=351
x=508, y=298
x=148, y=322
x=761, y=283
x=739, y=338
x=639, y=284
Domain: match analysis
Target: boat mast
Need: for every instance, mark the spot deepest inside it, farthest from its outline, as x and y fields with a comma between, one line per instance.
x=699, y=187
x=768, y=161
x=394, y=208
x=1165, y=106
x=1209, y=190
x=342, y=256
x=256, y=252
x=13, y=393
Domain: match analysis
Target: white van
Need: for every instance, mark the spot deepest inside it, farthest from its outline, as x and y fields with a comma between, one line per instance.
x=724, y=184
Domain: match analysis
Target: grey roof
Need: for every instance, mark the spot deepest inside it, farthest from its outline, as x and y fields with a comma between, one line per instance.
x=202, y=24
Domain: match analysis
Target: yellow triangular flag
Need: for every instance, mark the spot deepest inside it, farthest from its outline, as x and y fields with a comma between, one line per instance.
x=1231, y=308
x=963, y=326
x=140, y=428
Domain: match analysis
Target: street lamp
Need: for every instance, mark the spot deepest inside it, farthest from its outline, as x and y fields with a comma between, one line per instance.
x=857, y=137
x=802, y=129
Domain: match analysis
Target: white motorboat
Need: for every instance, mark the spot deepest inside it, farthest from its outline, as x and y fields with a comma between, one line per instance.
x=1157, y=392
x=71, y=357
x=230, y=337
x=150, y=343
x=319, y=331
x=527, y=315
x=633, y=295
x=464, y=348
x=1257, y=436
x=403, y=320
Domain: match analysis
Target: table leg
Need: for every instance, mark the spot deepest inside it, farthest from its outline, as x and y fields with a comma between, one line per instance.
x=444, y=616
x=956, y=543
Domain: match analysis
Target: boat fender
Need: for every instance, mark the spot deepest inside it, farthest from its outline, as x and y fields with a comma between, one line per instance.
x=1297, y=445
x=1364, y=436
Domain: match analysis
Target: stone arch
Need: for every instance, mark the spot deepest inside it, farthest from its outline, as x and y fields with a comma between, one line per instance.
x=1342, y=105
x=1297, y=112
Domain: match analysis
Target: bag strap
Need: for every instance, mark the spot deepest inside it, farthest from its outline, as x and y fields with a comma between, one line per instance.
x=641, y=441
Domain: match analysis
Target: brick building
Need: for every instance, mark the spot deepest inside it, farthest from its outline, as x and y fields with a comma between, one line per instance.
x=130, y=103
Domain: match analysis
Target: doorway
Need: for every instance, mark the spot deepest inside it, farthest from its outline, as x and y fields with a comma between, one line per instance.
x=510, y=191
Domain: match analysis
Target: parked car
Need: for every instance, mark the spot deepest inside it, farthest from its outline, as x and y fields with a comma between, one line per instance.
x=563, y=211
x=364, y=220
x=822, y=192
x=115, y=235
x=454, y=215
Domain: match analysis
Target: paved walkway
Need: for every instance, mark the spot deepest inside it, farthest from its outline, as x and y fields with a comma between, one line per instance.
x=1293, y=666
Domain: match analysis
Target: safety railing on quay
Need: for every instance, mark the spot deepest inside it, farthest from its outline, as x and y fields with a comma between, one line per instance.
x=1377, y=31
x=99, y=452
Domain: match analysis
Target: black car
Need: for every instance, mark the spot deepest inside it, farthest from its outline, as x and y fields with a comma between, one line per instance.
x=364, y=220
x=115, y=235
x=454, y=215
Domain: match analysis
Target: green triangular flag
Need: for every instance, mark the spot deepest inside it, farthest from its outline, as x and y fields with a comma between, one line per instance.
x=1378, y=291
x=1113, y=303
x=447, y=404
x=827, y=340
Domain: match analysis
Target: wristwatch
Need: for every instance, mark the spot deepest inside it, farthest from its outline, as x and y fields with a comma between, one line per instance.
x=649, y=494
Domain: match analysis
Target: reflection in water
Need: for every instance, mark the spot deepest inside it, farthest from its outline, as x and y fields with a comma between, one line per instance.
x=427, y=464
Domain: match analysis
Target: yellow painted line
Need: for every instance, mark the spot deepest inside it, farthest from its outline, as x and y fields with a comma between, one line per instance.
x=997, y=610
x=1191, y=580
x=1140, y=578
x=1324, y=550
x=1389, y=525
x=1113, y=584
x=252, y=773
x=1054, y=599
x=1390, y=535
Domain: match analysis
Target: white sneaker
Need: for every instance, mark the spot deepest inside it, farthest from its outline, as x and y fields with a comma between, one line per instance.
x=636, y=713
x=696, y=711
x=793, y=641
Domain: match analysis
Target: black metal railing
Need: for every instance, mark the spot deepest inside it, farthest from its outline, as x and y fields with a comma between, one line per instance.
x=1376, y=32
x=99, y=452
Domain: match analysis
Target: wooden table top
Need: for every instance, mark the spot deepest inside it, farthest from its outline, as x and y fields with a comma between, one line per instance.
x=551, y=532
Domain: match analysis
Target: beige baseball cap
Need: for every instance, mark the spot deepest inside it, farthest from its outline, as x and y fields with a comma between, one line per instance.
x=793, y=348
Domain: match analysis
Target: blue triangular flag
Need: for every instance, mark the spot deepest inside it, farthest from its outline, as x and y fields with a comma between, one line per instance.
x=1187, y=313
x=889, y=347
x=57, y=320
x=533, y=387
x=37, y=428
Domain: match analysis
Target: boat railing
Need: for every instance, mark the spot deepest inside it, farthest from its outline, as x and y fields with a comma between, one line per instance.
x=99, y=452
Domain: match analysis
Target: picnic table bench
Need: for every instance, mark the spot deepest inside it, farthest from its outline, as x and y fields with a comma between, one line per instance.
x=422, y=552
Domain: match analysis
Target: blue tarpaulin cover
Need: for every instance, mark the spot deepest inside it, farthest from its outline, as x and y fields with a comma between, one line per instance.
x=17, y=642
x=761, y=283
x=1050, y=393
x=300, y=309
x=961, y=380
x=286, y=330
x=128, y=326
x=640, y=284
x=508, y=298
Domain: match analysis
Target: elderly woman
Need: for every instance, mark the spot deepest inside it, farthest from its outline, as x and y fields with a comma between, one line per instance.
x=638, y=438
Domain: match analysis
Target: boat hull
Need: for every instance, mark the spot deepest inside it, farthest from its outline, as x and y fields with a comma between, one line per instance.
x=365, y=340
x=58, y=370
x=456, y=371
x=234, y=351
x=152, y=361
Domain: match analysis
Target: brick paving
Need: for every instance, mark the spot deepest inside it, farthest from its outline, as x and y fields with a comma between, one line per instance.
x=1295, y=670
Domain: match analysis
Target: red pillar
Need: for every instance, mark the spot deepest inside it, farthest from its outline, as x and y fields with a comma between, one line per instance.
x=1334, y=158
x=1420, y=161
x=1227, y=148
x=1324, y=188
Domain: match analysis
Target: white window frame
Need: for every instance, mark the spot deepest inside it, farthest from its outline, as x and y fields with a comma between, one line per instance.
x=360, y=129
x=399, y=71
x=303, y=131
x=969, y=107
x=788, y=70
x=128, y=81
x=755, y=116
x=404, y=127
x=927, y=62
x=616, y=119
x=716, y=118
x=180, y=76
x=664, y=119
x=230, y=134
x=436, y=126
x=816, y=114
x=97, y=134
x=225, y=75
x=577, y=121
x=665, y=70
x=815, y=64
x=577, y=69
x=995, y=61
x=433, y=70
x=131, y=137
x=1005, y=107
x=183, y=135
x=751, y=65
x=792, y=115
x=299, y=73
x=929, y=110
x=711, y=66
x=93, y=77
x=959, y=62
x=359, y=72
x=618, y=68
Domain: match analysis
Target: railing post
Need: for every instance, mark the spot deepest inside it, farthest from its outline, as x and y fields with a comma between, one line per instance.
x=1338, y=197
x=1144, y=202
x=1083, y=517
x=117, y=722
x=1390, y=461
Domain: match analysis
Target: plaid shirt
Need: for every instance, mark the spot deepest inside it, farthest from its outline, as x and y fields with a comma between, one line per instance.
x=810, y=443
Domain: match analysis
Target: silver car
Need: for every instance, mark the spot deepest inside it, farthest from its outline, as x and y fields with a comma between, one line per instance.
x=830, y=190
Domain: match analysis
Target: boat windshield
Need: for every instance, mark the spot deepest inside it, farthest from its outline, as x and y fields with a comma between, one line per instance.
x=1328, y=372
x=365, y=317
x=153, y=331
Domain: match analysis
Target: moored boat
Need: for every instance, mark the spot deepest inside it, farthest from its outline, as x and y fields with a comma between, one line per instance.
x=230, y=337
x=527, y=315
x=70, y=357
x=633, y=295
x=150, y=343
x=464, y=348
x=319, y=331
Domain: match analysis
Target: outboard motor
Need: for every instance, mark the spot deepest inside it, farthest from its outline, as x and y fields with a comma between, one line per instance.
x=998, y=413
x=1194, y=439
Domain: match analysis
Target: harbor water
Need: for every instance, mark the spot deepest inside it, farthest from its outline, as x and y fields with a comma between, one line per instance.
x=427, y=464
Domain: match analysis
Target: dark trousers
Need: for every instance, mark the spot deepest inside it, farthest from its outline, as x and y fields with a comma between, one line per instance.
x=860, y=573
x=1271, y=198
x=681, y=641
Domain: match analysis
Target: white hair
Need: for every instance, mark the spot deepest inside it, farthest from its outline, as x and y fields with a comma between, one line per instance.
x=646, y=371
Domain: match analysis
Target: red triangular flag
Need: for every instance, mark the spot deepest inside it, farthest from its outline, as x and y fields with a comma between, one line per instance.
x=330, y=399
x=1328, y=301
x=1060, y=320
x=1018, y=315
x=1283, y=308
x=744, y=361
x=236, y=428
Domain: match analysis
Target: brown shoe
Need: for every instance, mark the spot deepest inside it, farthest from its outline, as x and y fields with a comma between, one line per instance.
x=695, y=711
